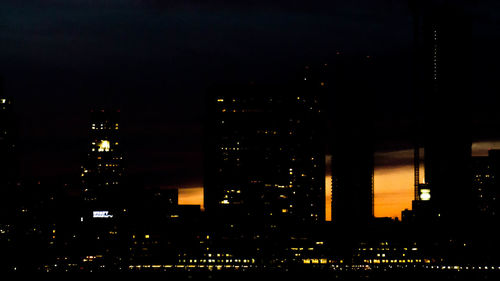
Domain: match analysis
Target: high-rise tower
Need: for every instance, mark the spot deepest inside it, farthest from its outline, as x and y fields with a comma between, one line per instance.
x=442, y=82
x=264, y=154
x=102, y=172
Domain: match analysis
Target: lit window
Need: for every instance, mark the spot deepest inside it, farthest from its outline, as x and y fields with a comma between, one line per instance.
x=425, y=194
x=104, y=146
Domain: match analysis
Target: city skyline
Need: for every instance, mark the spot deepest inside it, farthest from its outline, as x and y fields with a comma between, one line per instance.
x=193, y=137
x=54, y=79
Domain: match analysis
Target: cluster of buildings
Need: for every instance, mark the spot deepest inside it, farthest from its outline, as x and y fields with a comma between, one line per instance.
x=264, y=184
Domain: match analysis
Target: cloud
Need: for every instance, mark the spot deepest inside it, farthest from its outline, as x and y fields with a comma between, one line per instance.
x=393, y=159
x=480, y=148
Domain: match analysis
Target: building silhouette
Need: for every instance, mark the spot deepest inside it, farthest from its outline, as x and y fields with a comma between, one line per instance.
x=101, y=232
x=102, y=172
x=264, y=154
x=442, y=60
x=351, y=138
x=8, y=160
x=352, y=179
x=486, y=184
x=10, y=201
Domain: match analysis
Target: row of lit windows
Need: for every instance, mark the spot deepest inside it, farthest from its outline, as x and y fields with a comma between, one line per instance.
x=217, y=261
x=315, y=261
x=385, y=249
x=301, y=249
x=397, y=261
x=230, y=148
x=179, y=266
x=435, y=66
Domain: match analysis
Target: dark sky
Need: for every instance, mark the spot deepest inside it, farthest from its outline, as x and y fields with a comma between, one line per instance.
x=154, y=60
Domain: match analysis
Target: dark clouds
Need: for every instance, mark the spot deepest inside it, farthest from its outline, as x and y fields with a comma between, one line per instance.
x=154, y=59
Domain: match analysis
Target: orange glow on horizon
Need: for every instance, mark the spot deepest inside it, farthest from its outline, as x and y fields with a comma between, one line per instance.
x=393, y=185
x=191, y=196
x=393, y=192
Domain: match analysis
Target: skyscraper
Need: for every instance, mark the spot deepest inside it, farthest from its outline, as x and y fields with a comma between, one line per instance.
x=7, y=143
x=442, y=79
x=352, y=178
x=9, y=199
x=101, y=233
x=486, y=184
x=264, y=154
x=102, y=172
x=352, y=140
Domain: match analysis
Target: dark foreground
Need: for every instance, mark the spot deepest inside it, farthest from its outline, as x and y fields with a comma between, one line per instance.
x=257, y=276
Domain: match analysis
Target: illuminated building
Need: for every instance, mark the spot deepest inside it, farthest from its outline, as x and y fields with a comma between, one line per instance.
x=264, y=154
x=10, y=201
x=486, y=183
x=423, y=210
x=7, y=143
x=101, y=232
x=102, y=172
x=389, y=253
x=442, y=80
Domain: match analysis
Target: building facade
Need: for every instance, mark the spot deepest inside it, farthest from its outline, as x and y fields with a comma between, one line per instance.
x=102, y=172
x=264, y=154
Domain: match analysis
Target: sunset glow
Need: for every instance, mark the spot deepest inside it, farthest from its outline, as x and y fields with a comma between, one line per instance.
x=393, y=184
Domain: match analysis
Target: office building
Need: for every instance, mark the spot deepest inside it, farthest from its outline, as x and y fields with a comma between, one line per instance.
x=102, y=172
x=352, y=140
x=8, y=162
x=442, y=61
x=264, y=154
x=486, y=184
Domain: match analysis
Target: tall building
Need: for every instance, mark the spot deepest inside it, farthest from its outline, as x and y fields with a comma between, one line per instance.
x=102, y=172
x=352, y=179
x=7, y=143
x=352, y=140
x=442, y=61
x=486, y=184
x=100, y=235
x=10, y=201
x=265, y=154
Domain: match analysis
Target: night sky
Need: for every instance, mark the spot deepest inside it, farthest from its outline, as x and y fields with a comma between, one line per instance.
x=154, y=60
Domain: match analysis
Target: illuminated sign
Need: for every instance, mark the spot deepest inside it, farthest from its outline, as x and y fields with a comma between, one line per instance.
x=102, y=214
x=104, y=146
x=425, y=194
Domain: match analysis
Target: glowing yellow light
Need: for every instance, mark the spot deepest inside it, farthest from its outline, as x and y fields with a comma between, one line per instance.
x=146, y=236
x=104, y=146
x=3, y=100
x=425, y=194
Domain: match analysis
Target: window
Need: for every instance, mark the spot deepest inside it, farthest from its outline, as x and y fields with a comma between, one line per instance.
x=104, y=146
